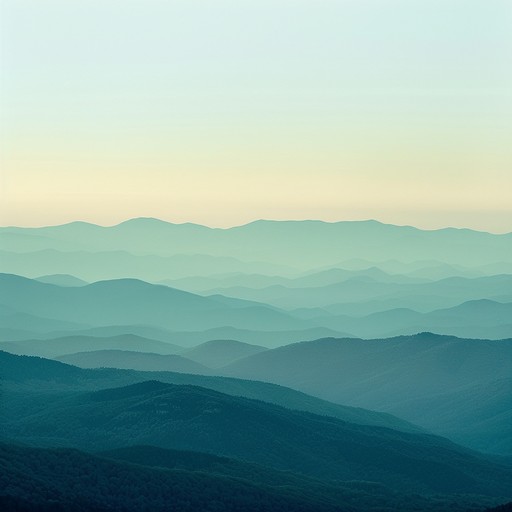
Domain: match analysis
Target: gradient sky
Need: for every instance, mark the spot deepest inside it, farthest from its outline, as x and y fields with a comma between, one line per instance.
x=221, y=112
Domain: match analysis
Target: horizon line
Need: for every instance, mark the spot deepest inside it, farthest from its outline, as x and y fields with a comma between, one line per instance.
x=259, y=220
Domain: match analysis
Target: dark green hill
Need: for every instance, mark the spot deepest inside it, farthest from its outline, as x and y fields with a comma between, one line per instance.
x=147, y=478
x=65, y=480
x=350, y=495
x=478, y=415
x=506, y=507
x=21, y=369
x=33, y=374
x=195, y=418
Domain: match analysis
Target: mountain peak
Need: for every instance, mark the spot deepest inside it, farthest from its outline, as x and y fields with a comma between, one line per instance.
x=153, y=222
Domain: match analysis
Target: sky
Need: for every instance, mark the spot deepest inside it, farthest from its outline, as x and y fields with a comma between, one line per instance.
x=221, y=112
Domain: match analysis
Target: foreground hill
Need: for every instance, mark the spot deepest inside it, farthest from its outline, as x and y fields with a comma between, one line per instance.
x=196, y=418
x=427, y=379
x=30, y=382
x=62, y=480
x=348, y=495
x=148, y=478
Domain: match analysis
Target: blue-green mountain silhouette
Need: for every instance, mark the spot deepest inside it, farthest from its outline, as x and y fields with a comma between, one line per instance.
x=129, y=301
x=415, y=377
x=126, y=359
x=149, y=478
x=73, y=344
x=304, y=244
x=62, y=280
x=61, y=480
x=195, y=418
x=218, y=353
x=27, y=376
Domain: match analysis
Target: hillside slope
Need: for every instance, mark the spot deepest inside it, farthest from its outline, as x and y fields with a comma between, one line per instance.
x=195, y=418
x=25, y=377
x=410, y=376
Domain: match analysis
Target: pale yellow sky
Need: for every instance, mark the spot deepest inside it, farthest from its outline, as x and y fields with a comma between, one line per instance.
x=226, y=112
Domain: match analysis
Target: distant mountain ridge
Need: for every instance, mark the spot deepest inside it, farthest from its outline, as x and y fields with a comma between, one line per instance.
x=303, y=275
x=129, y=301
x=29, y=309
x=305, y=244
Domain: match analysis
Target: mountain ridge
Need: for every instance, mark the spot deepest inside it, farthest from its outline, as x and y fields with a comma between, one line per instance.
x=197, y=418
x=51, y=375
x=402, y=375
x=159, y=221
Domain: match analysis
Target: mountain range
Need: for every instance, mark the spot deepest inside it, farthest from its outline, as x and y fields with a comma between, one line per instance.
x=460, y=388
x=295, y=244
x=31, y=309
x=291, y=365
x=199, y=418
